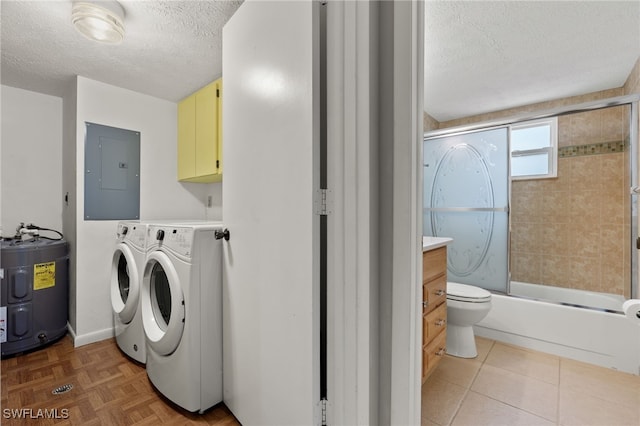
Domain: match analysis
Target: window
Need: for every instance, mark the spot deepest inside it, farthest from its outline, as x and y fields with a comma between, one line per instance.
x=534, y=149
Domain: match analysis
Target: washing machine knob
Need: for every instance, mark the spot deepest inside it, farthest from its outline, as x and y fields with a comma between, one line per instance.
x=160, y=235
x=125, y=230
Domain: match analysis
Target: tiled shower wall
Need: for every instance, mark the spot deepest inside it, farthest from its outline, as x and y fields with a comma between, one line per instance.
x=632, y=84
x=573, y=230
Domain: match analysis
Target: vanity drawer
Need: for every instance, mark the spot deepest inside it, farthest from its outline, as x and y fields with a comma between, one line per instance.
x=434, y=322
x=434, y=263
x=433, y=353
x=434, y=293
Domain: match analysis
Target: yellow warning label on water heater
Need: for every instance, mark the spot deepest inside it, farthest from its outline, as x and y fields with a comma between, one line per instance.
x=44, y=275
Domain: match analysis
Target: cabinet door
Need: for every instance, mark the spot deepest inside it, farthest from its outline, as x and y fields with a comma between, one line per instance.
x=434, y=264
x=187, y=138
x=206, y=149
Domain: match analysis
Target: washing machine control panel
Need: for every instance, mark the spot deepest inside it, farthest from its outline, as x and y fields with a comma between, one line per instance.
x=179, y=240
x=133, y=234
x=122, y=231
x=137, y=235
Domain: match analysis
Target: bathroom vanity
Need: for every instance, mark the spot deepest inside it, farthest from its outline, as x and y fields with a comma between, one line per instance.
x=434, y=302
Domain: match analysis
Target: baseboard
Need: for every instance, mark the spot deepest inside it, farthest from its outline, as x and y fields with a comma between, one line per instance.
x=87, y=338
x=71, y=331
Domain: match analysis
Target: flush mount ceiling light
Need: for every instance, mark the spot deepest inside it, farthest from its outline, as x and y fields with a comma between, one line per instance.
x=101, y=21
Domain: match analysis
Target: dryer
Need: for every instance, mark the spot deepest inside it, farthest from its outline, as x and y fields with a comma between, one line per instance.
x=127, y=266
x=182, y=313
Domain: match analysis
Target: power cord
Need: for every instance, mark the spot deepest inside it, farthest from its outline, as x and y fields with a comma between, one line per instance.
x=34, y=231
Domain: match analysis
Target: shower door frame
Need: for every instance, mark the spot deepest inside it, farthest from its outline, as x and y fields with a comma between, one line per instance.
x=634, y=190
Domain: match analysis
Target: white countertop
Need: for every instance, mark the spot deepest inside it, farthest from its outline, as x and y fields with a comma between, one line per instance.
x=430, y=243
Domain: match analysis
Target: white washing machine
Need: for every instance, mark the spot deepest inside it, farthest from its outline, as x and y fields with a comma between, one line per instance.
x=127, y=265
x=182, y=313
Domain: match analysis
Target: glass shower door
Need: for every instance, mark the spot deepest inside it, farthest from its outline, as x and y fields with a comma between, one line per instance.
x=466, y=197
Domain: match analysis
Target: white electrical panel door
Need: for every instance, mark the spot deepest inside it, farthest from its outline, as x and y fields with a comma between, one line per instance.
x=111, y=173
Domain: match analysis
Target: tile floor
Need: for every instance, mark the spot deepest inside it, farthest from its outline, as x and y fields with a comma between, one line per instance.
x=509, y=385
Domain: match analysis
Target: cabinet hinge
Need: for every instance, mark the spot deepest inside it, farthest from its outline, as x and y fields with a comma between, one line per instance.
x=323, y=202
x=217, y=93
x=323, y=412
x=217, y=164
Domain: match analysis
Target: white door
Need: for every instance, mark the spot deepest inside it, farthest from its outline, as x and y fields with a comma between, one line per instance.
x=270, y=286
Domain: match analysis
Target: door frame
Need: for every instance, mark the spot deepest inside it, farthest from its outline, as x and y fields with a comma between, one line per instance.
x=374, y=143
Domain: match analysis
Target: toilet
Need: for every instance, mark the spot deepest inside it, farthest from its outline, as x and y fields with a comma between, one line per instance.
x=466, y=305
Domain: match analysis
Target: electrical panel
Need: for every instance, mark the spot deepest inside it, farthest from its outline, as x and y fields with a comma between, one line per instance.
x=112, y=173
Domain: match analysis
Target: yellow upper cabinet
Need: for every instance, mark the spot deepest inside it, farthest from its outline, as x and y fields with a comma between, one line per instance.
x=200, y=135
x=187, y=138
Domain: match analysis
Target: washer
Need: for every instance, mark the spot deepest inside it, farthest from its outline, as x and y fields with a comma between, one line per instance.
x=127, y=266
x=182, y=313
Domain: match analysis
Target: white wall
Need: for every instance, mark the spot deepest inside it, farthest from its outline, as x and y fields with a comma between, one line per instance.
x=31, y=156
x=161, y=195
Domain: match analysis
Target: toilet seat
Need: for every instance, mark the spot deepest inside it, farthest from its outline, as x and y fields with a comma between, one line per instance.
x=467, y=293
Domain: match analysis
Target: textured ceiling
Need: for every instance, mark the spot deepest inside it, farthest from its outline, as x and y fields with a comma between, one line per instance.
x=171, y=48
x=480, y=56
x=487, y=56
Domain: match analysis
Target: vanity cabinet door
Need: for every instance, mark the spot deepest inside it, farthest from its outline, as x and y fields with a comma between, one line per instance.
x=434, y=309
x=434, y=352
x=434, y=264
x=434, y=293
x=434, y=322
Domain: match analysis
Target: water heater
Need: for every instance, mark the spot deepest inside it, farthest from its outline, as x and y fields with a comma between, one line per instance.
x=34, y=293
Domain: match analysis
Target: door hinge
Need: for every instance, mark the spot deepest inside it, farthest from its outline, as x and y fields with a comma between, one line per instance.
x=217, y=164
x=323, y=413
x=217, y=93
x=323, y=202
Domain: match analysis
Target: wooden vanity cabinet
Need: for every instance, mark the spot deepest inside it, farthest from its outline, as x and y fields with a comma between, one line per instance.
x=434, y=308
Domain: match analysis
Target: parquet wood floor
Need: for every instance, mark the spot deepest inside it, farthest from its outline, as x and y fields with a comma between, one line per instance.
x=108, y=389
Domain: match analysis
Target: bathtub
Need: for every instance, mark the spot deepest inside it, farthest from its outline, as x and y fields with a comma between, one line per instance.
x=610, y=302
x=597, y=337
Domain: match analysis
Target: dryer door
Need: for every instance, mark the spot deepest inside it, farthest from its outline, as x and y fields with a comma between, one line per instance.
x=125, y=288
x=162, y=304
